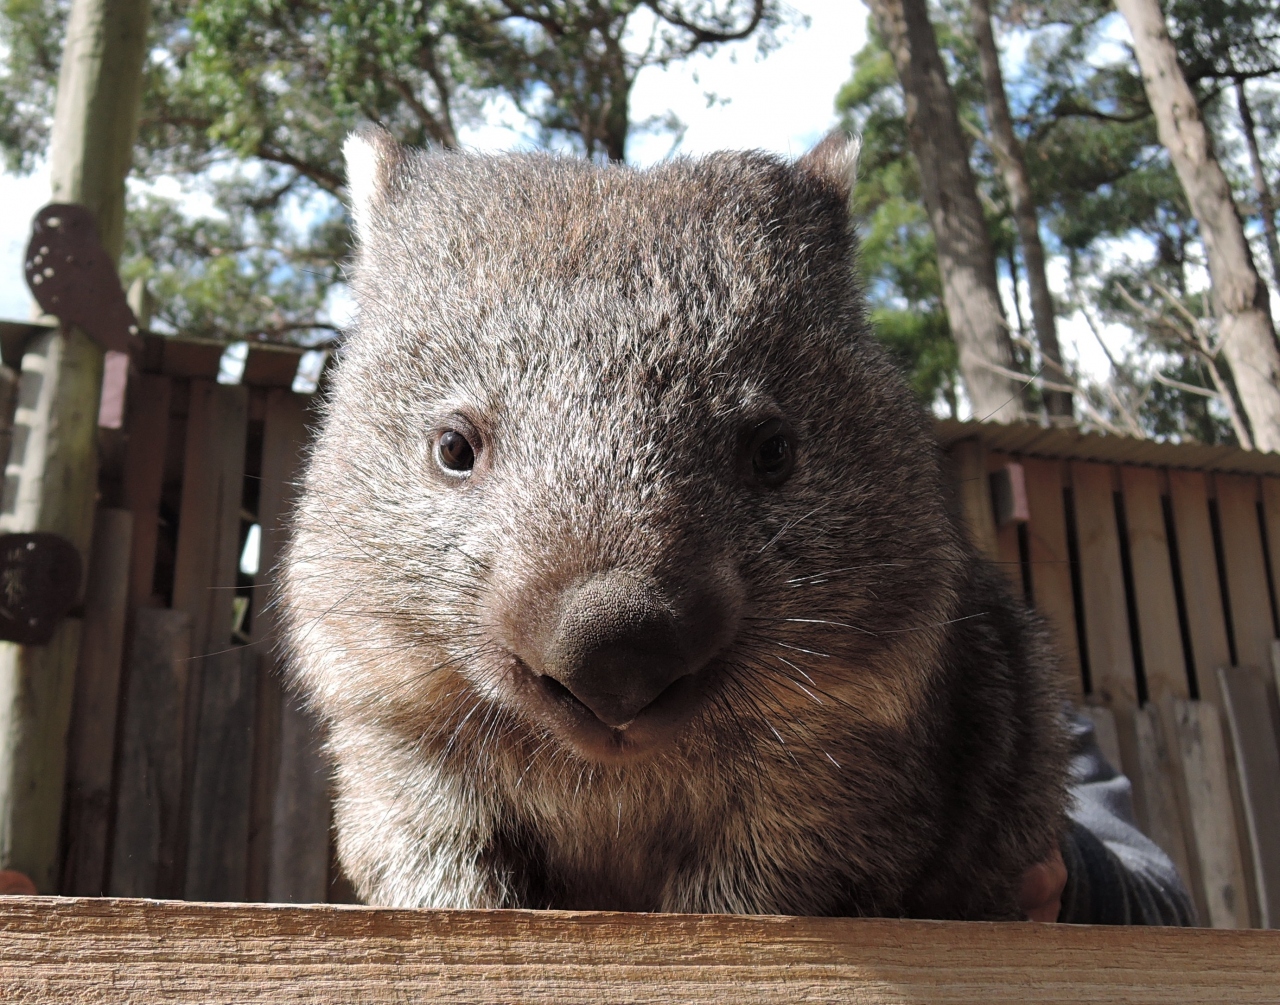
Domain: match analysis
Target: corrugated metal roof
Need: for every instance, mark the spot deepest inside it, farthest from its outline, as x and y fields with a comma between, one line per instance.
x=1071, y=444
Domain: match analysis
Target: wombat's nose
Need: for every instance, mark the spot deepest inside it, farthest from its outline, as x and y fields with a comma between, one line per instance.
x=618, y=643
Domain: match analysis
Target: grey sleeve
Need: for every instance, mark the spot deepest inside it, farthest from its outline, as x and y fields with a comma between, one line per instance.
x=1116, y=875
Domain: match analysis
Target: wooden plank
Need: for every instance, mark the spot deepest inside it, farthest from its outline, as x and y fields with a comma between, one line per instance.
x=1205, y=796
x=271, y=366
x=295, y=797
x=209, y=521
x=1248, y=712
x=1189, y=496
x=148, y=803
x=148, y=430
x=1270, y=488
x=1158, y=629
x=92, y=738
x=94, y=123
x=1009, y=555
x=189, y=358
x=1051, y=565
x=218, y=846
x=1105, y=614
x=300, y=818
x=90, y=951
x=1159, y=812
x=1246, y=569
x=973, y=493
x=208, y=545
x=268, y=711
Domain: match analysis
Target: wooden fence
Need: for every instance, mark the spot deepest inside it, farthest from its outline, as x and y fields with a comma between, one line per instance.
x=1153, y=564
x=191, y=775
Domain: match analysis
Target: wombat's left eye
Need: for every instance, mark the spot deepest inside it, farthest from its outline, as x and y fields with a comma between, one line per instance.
x=454, y=452
x=773, y=455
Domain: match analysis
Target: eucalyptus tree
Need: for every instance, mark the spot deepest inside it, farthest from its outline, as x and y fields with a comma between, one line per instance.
x=1240, y=298
x=966, y=262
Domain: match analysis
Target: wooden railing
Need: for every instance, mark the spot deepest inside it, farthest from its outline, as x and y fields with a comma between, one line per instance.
x=135, y=951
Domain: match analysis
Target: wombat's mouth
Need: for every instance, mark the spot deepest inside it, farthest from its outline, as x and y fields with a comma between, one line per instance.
x=578, y=727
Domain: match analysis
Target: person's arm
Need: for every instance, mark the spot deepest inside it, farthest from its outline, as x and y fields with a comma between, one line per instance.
x=1111, y=873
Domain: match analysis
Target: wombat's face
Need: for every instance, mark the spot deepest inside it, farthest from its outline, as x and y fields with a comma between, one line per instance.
x=610, y=463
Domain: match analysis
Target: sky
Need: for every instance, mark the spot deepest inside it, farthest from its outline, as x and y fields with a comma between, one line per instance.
x=783, y=102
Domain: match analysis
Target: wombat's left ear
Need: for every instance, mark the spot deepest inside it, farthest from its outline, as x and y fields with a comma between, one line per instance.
x=833, y=162
x=372, y=155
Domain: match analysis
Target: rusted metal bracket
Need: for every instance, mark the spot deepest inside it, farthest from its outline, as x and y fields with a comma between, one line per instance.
x=39, y=583
x=73, y=278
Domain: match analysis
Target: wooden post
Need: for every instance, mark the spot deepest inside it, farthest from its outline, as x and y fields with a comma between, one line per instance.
x=99, y=92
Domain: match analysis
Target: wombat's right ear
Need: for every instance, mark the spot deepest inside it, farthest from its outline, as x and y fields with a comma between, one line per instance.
x=834, y=162
x=372, y=155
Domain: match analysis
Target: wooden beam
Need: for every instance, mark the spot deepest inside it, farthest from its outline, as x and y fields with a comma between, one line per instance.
x=95, y=121
x=218, y=847
x=1197, y=743
x=149, y=797
x=296, y=821
x=1189, y=494
x=92, y=742
x=973, y=492
x=89, y=951
x=1051, y=565
x=1162, y=656
x=1106, y=622
x=1156, y=802
x=1248, y=711
x=1246, y=569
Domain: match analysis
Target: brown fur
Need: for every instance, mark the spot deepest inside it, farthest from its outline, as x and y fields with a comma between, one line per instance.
x=878, y=735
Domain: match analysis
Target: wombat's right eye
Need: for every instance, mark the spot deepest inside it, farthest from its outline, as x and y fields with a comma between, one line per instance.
x=771, y=454
x=454, y=452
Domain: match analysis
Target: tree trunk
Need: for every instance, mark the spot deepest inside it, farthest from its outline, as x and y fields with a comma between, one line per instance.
x=1013, y=166
x=965, y=258
x=1265, y=204
x=99, y=91
x=1240, y=297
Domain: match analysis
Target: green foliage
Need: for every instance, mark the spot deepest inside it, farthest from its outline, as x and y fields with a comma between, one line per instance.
x=247, y=103
x=1102, y=182
x=31, y=38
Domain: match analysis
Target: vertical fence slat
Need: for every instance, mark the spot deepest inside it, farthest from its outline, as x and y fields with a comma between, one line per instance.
x=298, y=848
x=300, y=813
x=93, y=717
x=1162, y=815
x=1248, y=713
x=218, y=848
x=1189, y=495
x=149, y=791
x=1010, y=554
x=1102, y=579
x=209, y=521
x=1155, y=783
x=1246, y=569
x=148, y=428
x=1271, y=515
x=1051, y=564
x=204, y=575
x=1197, y=743
x=973, y=492
x=1158, y=628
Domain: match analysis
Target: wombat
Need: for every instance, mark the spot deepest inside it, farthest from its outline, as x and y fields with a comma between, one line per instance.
x=623, y=574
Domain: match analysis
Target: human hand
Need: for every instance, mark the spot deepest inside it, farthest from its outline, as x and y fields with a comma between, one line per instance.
x=1041, y=895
